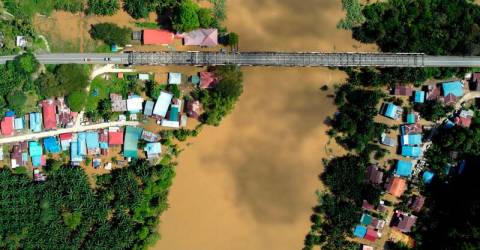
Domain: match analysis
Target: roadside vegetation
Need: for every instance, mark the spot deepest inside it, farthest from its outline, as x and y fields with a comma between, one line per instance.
x=111, y=33
x=16, y=79
x=354, y=16
x=220, y=101
x=431, y=27
x=103, y=7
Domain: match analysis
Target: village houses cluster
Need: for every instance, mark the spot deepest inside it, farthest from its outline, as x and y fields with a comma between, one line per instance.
x=95, y=144
x=410, y=142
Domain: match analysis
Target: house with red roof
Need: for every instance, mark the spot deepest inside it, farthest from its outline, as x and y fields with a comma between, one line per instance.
x=65, y=140
x=6, y=125
x=115, y=136
x=157, y=37
x=207, y=80
x=49, y=114
x=371, y=234
x=403, y=90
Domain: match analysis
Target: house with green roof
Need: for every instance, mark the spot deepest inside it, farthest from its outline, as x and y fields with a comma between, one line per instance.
x=130, y=146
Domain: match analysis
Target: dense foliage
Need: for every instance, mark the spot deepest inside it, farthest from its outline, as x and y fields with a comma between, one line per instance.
x=77, y=99
x=436, y=27
x=220, y=100
x=452, y=220
x=111, y=33
x=16, y=80
x=28, y=8
x=433, y=110
x=103, y=7
x=354, y=15
x=65, y=212
x=179, y=15
x=336, y=213
x=354, y=124
x=63, y=80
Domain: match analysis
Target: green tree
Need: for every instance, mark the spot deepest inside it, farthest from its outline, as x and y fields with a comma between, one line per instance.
x=233, y=39
x=72, y=220
x=111, y=33
x=205, y=18
x=138, y=8
x=105, y=108
x=185, y=17
x=220, y=100
x=71, y=77
x=103, y=7
x=48, y=85
x=26, y=64
x=433, y=110
x=76, y=100
x=16, y=101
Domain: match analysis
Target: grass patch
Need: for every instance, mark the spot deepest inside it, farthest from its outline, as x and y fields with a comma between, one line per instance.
x=148, y=25
x=31, y=104
x=101, y=89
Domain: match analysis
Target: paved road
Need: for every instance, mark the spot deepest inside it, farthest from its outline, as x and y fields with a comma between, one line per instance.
x=77, y=58
x=283, y=59
x=75, y=129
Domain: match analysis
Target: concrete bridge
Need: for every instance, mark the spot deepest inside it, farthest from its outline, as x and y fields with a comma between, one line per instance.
x=276, y=59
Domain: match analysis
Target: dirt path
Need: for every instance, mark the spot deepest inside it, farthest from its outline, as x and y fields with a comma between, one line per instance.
x=250, y=183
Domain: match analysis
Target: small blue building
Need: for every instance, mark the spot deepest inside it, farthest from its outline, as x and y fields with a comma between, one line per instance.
x=51, y=145
x=427, y=177
x=411, y=139
x=419, y=96
x=455, y=88
x=19, y=123
x=36, y=122
x=411, y=151
x=392, y=111
x=360, y=231
x=404, y=168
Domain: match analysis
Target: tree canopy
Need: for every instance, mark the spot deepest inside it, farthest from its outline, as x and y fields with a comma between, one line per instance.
x=220, y=100
x=77, y=99
x=121, y=212
x=186, y=17
x=111, y=33
x=103, y=7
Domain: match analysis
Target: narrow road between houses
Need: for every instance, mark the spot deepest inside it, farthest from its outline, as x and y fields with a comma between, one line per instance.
x=468, y=96
x=75, y=129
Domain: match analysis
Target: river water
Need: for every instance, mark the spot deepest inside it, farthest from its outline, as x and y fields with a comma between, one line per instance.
x=250, y=183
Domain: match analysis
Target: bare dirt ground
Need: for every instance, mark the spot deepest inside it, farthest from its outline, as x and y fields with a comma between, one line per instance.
x=250, y=183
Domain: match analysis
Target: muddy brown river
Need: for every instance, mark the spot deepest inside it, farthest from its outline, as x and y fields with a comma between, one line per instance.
x=250, y=183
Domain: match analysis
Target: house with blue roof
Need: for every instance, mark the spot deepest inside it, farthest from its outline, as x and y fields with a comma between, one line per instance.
x=360, y=231
x=82, y=144
x=51, y=145
x=419, y=96
x=92, y=140
x=411, y=118
x=36, y=152
x=411, y=139
x=455, y=88
x=411, y=151
x=75, y=157
x=427, y=177
x=130, y=146
x=36, y=122
x=392, y=111
x=19, y=123
x=404, y=168
x=153, y=150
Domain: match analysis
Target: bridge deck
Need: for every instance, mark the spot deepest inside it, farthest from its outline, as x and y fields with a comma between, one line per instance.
x=307, y=59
